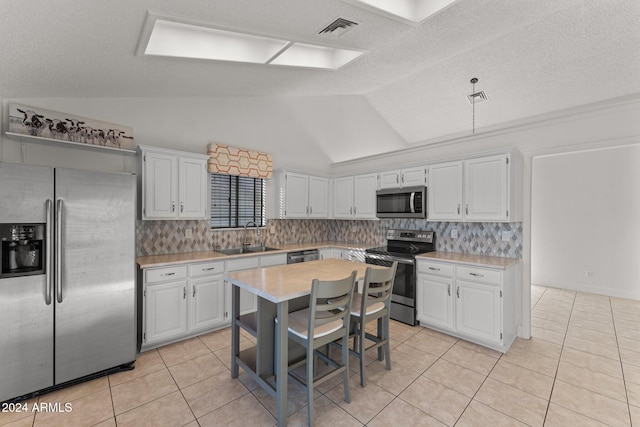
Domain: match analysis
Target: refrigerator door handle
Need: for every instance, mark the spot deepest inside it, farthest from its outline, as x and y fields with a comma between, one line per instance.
x=49, y=275
x=59, y=207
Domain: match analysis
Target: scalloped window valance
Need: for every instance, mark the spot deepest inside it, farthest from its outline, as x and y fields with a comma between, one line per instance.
x=239, y=161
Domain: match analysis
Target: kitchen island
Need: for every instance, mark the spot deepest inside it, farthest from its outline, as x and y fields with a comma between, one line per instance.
x=280, y=289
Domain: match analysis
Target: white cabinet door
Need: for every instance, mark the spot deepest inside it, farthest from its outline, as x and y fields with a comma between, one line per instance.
x=160, y=185
x=325, y=253
x=390, y=179
x=336, y=253
x=486, y=188
x=434, y=303
x=364, y=196
x=193, y=188
x=248, y=301
x=318, y=197
x=444, y=191
x=411, y=177
x=343, y=197
x=296, y=193
x=479, y=310
x=207, y=303
x=165, y=311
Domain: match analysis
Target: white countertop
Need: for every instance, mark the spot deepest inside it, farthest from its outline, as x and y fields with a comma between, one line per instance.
x=474, y=260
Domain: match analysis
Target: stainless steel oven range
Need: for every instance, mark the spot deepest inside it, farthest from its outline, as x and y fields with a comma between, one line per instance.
x=403, y=246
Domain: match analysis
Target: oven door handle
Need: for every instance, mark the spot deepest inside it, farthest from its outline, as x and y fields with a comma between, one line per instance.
x=412, y=202
x=389, y=259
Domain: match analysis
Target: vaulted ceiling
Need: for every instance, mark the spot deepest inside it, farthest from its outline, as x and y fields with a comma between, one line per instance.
x=531, y=57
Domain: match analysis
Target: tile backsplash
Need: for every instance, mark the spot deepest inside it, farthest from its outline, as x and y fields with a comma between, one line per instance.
x=168, y=237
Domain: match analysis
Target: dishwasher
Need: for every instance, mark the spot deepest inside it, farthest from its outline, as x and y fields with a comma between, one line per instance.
x=303, y=256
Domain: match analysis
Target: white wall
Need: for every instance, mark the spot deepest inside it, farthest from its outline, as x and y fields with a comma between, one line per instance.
x=585, y=216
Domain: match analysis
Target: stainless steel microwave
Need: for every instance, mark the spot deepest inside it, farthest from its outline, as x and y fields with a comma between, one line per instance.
x=408, y=202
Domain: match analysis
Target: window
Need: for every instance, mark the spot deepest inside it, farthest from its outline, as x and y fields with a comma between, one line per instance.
x=236, y=200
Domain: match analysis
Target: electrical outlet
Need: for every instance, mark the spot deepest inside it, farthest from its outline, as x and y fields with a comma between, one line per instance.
x=272, y=229
x=588, y=274
x=188, y=233
x=454, y=233
x=506, y=236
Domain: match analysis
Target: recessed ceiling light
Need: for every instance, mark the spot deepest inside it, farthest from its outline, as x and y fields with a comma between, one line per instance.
x=407, y=10
x=166, y=36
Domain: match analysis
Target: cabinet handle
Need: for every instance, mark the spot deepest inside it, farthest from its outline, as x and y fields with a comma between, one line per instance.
x=173, y=206
x=449, y=289
x=181, y=206
x=403, y=178
x=397, y=179
x=354, y=210
x=351, y=210
x=184, y=292
x=476, y=274
x=466, y=209
x=208, y=269
x=434, y=269
x=458, y=292
x=167, y=274
x=310, y=210
x=194, y=292
x=458, y=208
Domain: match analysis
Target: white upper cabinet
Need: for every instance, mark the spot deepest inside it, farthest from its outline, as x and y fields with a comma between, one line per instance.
x=479, y=190
x=444, y=191
x=303, y=196
x=355, y=196
x=408, y=177
x=173, y=184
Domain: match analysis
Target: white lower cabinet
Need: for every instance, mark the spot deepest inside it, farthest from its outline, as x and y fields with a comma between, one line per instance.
x=472, y=303
x=166, y=311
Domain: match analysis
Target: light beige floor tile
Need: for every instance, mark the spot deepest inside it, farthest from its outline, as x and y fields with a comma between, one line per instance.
x=626, y=333
x=401, y=412
x=530, y=360
x=394, y=381
x=635, y=415
x=365, y=402
x=242, y=412
x=142, y=390
x=592, y=317
x=327, y=413
x=183, y=351
x=478, y=414
x=85, y=411
x=591, y=335
x=604, y=327
x=429, y=344
x=296, y=397
x=147, y=362
x=217, y=339
x=455, y=377
x=518, y=404
x=470, y=359
x=605, y=350
x=111, y=422
x=68, y=394
x=436, y=334
x=442, y=403
x=591, y=380
x=557, y=416
x=480, y=349
x=194, y=370
x=547, y=335
x=549, y=325
x=593, y=405
x=210, y=394
x=633, y=393
x=401, y=332
x=412, y=358
x=167, y=411
x=524, y=379
x=560, y=317
x=631, y=373
x=21, y=411
x=630, y=357
x=592, y=362
x=534, y=345
x=630, y=314
x=628, y=344
x=604, y=311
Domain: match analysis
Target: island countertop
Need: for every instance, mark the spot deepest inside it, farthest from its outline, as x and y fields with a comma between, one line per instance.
x=470, y=259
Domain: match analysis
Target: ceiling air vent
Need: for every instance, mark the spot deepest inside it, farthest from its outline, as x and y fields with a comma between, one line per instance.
x=337, y=28
x=478, y=97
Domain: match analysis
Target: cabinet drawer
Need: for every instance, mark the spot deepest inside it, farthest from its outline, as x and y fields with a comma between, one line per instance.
x=166, y=273
x=206, y=268
x=435, y=268
x=276, y=259
x=479, y=275
x=242, y=264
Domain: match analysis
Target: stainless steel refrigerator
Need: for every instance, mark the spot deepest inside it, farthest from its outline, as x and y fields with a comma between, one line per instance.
x=67, y=283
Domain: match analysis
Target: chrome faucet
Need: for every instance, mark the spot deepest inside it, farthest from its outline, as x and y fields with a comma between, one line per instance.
x=244, y=236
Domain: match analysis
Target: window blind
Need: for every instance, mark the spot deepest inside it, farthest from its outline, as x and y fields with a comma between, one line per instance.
x=236, y=200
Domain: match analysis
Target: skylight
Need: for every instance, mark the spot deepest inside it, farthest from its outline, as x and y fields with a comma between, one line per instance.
x=410, y=10
x=169, y=37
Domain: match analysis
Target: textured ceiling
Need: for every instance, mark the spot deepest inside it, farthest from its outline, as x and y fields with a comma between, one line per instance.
x=531, y=57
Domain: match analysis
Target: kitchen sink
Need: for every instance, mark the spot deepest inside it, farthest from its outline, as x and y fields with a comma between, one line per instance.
x=247, y=250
